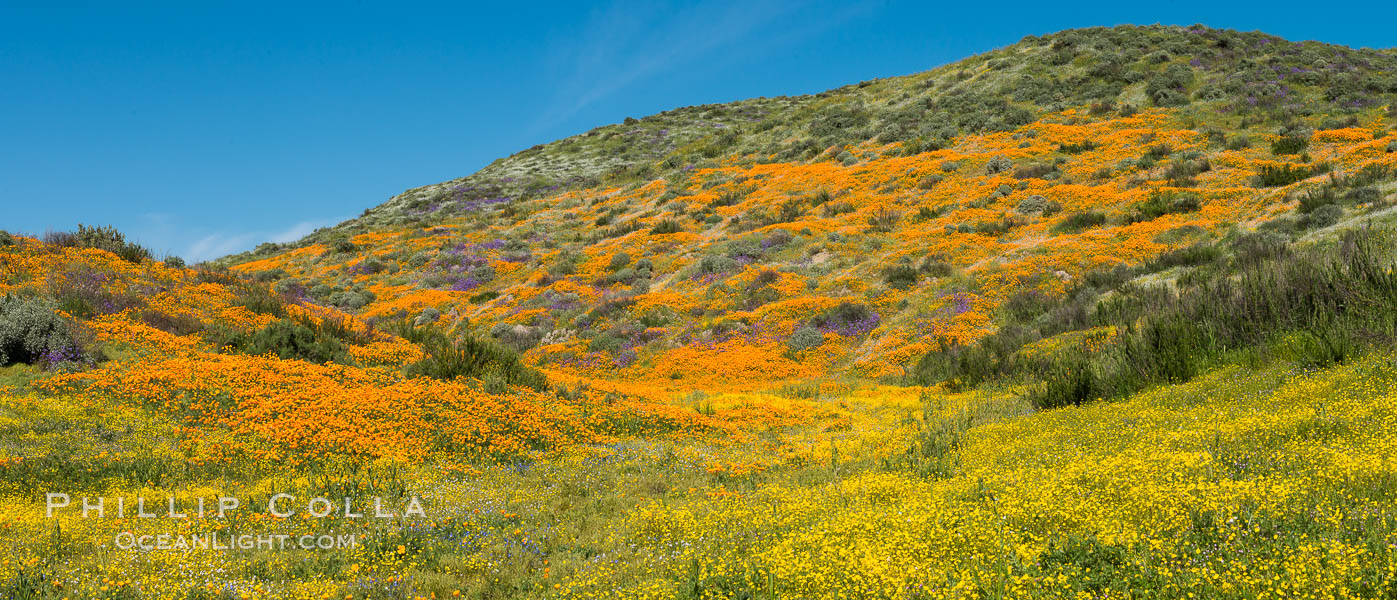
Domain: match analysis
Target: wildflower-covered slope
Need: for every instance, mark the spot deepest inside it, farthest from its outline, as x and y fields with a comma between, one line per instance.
x=1103, y=314
x=855, y=230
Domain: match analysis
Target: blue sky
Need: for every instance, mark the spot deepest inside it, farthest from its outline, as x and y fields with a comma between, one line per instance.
x=205, y=128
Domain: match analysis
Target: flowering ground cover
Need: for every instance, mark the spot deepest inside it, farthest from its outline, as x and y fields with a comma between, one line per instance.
x=1137, y=348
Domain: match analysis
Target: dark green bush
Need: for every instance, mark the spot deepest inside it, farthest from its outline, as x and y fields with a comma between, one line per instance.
x=102, y=238
x=1158, y=204
x=1077, y=148
x=1325, y=216
x=285, y=338
x=1158, y=151
x=1286, y=174
x=713, y=264
x=884, y=219
x=997, y=228
x=1188, y=256
x=474, y=358
x=621, y=229
x=1290, y=144
x=936, y=266
x=666, y=226
x=837, y=208
x=1080, y=221
x=1181, y=172
x=901, y=276
x=259, y=298
x=352, y=299
x=1170, y=88
x=848, y=318
x=32, y=332
x=1034, y=171
x=565, y=264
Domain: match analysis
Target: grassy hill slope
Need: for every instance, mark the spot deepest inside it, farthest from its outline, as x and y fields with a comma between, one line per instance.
x=857, y=230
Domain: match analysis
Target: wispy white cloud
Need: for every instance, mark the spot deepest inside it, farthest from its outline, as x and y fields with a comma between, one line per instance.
x=222, y=244
x=624, y=44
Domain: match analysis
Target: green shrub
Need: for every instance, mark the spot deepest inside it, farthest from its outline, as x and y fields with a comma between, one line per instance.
x=102, y=238
x=621, y=229
x=936, y=266
x=259, y=299
x=1038, y=204
x=6, y=239
x=428, y=316
x=353, y=299
x=998, y=164
x=1182, y=172
x=713, y=264
x=1077, y=148
x=847, y=318
x=1080, y=221
x=1169, y=88
x=1325, y=216
x=1158, y=204
x=270, y=275
x=837, y=208
x=285, y=338
x=618, y=261
x=474, y=358
x=1034, y=171
x=174, y=262
x=1317, y=197
x=1188, y=256
x=884, y=219
x=666, y=226
x=1276, y=176
x=901, y=276
x=32, y=332
x=1158, y=151
x=1290, y=144
x=805, y=338
x=565, y=264
x=999, y=227
x=519, y=338
x=729, y=198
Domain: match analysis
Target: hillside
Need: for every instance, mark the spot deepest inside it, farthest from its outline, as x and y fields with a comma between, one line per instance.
x=854, y=230
x=1108, y=313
